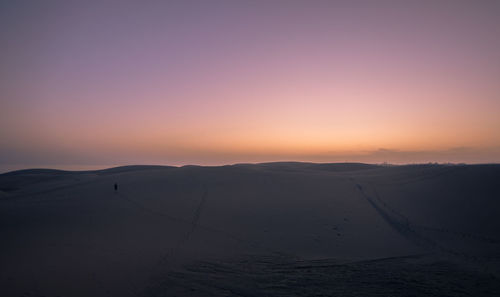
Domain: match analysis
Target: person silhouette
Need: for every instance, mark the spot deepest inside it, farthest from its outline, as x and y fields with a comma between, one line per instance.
x=116, y=187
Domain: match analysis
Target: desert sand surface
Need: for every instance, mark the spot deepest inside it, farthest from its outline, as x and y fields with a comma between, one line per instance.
x=272, y=229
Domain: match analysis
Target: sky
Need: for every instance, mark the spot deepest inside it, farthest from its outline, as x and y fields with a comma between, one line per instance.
x=94, y=83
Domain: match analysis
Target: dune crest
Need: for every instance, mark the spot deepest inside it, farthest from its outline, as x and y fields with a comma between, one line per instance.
x=203, y=231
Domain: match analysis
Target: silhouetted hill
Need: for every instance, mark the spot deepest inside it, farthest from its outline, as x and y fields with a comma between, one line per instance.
x=270, y=229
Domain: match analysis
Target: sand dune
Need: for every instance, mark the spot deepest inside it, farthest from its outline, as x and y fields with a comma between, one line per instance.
x=271, y=229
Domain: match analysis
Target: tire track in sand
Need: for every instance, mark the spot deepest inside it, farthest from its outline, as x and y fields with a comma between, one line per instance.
x=395, y=220
x=402, y=224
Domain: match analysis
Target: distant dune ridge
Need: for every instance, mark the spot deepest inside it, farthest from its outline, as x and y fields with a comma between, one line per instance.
x=270, y=229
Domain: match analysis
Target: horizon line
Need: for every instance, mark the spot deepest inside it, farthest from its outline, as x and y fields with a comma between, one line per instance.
x=60, y=167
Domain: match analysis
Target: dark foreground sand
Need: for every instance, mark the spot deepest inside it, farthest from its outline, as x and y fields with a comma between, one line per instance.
x=277, y=229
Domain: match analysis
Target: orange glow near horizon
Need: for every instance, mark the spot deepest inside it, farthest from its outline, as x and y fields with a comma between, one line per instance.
x=224, y=83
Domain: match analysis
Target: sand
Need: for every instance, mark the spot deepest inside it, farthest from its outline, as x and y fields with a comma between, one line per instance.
x=274, y=229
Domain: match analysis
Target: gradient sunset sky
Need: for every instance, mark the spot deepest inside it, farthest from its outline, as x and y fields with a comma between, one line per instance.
x=221, y=82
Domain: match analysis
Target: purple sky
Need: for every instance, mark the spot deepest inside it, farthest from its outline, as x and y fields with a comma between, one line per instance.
x=218, y=82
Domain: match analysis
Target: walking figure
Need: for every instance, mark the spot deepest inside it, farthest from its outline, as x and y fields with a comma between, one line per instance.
x=116, y=187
